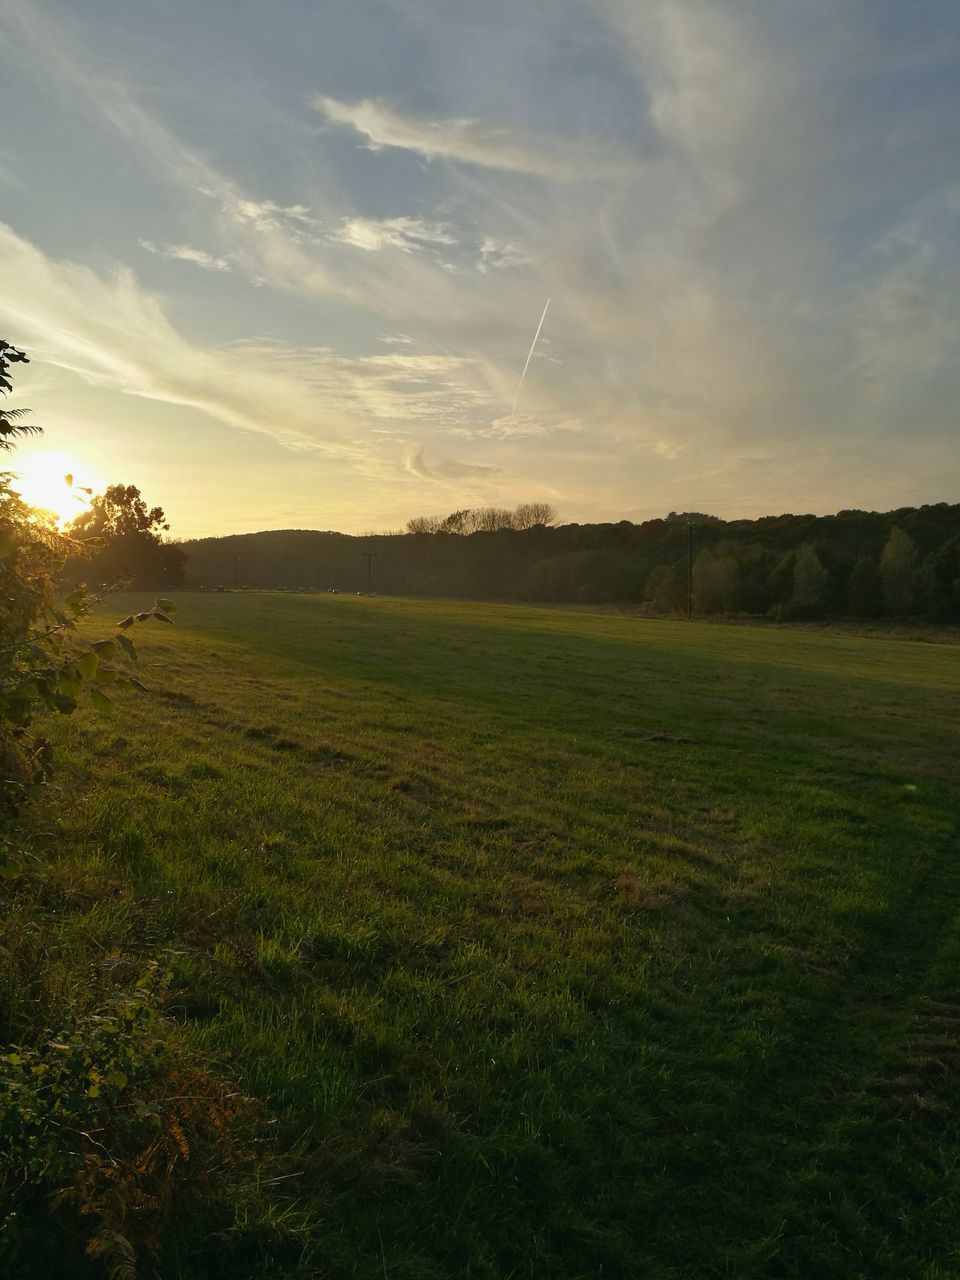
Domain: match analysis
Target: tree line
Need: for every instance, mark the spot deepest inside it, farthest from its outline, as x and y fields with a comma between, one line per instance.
x=528, y=515
x=860, y=564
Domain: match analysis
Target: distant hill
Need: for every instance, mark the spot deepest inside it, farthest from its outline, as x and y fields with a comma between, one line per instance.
x=854, y=563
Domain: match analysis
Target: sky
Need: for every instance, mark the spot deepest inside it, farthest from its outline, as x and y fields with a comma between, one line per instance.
x=281, y=265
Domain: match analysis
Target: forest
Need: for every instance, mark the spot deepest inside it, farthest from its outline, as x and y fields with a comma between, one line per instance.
x=859, y=564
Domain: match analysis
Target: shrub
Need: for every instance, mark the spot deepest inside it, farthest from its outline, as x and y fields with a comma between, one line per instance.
x=105, y=1127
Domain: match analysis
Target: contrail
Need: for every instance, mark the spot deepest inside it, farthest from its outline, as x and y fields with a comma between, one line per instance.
x=533, y=344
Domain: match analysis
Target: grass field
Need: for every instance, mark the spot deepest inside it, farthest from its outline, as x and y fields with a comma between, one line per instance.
x=557, y=945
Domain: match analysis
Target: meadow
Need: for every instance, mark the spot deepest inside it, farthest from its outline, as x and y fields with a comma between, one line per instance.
x=549, y=943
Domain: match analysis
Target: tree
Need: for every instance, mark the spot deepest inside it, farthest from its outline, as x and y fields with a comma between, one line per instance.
x=865, y=589
x=30, y=551
x=128, y=536
x=12, y=421
x=666, y=588
x=529, y=515
x=897, y=571
x=691, y=517
x=41, y=663
x=810, y=584
x=423, y=524
x=714, y=582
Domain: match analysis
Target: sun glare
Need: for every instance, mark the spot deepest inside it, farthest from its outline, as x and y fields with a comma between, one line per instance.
x=55, y=482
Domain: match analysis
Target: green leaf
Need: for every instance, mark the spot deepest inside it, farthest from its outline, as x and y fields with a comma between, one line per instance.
x=129, y=648
x=106, y=675
x=69, y=682
x=164, y=603
x=138, y=684
x=126, y=622
x=142, y=617
x=87, y=664
x=101, y=702
x=46, y=692
x=162, y=617
x=105, y=648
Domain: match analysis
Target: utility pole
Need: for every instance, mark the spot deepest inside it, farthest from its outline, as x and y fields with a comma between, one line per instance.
x=236, y=573
x=689, y=570
x=371, y=556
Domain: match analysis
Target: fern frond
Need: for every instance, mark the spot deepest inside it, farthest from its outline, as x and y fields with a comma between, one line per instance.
x=116, y=1252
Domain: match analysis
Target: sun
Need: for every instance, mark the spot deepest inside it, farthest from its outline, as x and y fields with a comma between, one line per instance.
x=55, y=482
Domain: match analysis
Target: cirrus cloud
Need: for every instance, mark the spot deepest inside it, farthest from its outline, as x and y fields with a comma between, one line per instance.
x=471, y=142
x=406, y=234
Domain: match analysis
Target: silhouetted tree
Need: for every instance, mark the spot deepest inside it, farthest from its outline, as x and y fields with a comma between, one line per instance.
x=897, y=569
x=12, y=421
x=810, y=584
x=714, y=582
x=127, y=537
x=758, y=560
x=530, y=514
x=666, y=588
x=691, y=517
x=865, y=589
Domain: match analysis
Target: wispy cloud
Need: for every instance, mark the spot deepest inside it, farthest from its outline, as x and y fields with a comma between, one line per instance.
x=498, y=255
x=759, y=294
x=471, y=142
x=406, y=234
x=187, y=253
x=439, y=390
x=525, y=426
x=444, y=470
x=113, y=334
x=9, y=177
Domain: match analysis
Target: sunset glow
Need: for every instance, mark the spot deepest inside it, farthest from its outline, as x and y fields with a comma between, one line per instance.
x=309, y=304
x=55, y=482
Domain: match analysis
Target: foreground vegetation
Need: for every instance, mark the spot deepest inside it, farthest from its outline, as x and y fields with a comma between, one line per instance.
x=490, y=941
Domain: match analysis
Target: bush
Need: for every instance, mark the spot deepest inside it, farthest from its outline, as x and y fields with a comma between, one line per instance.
x=42, y=664
x=105, y=1127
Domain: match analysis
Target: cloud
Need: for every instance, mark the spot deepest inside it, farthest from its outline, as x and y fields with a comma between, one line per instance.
x=186, y=253
x=114, y=334
x=9, y=177
x=669, y=449
x=498, y=255
x=773, y=284
x=444, y=469
x=407, y=234
x=439, y=390
x=525, y=426
x=267, y=215
x=269, y=241
x=471, y=142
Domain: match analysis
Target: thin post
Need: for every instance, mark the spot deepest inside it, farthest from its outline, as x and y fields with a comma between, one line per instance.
x=371, y=556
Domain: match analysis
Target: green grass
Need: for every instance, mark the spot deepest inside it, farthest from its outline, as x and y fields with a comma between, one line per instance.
x=555, y=944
